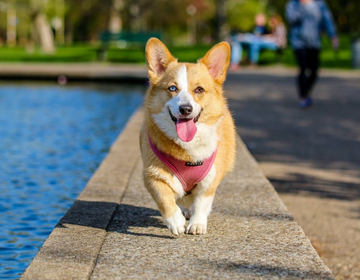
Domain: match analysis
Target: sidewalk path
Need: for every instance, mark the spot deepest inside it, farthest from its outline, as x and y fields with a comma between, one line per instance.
x=312, y=156
x=114, y=230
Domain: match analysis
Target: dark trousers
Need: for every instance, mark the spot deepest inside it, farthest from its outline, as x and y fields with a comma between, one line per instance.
x=308, y=61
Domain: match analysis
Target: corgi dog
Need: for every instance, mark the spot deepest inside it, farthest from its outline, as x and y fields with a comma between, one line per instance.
x=188, y=136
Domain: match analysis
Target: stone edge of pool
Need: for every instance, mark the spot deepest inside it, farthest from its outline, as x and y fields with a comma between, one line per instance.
x=93, y=72
x=113, y=72
x=71, y=250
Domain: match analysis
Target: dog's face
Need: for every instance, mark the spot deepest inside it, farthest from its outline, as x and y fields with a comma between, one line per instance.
x=184, y=97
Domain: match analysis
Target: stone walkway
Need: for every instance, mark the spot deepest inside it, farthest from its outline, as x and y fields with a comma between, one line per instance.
x=114, y=230
x=312, y=156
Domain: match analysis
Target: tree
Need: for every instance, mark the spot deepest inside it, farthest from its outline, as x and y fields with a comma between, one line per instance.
x=345, y=13
x=42, y=33
x=170, y=17
x=85, y=19
x=241, y=13
x=115, y=23
x=222, y=29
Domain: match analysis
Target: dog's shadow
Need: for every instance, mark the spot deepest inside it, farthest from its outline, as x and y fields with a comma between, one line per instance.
x=127, y=217
x=113, y=217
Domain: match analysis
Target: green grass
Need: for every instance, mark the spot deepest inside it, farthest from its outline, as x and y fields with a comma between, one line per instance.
x=137, y=55
x=89, y=53
x=329, y=58
x=65, y=54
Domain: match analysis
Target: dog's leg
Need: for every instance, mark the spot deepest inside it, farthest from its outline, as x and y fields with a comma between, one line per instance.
x=176, y=222
x=201, y=207
x=185, y=204
x=165, y=198
x=200, y=211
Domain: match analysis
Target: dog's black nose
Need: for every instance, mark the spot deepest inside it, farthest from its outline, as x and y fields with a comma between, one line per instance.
x=185, y=110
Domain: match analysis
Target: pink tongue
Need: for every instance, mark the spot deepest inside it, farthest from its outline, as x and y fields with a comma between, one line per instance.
x=186, y=129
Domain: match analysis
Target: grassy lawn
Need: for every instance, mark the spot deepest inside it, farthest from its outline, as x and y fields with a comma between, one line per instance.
x=89, y=53
x=64, y=54
x=329, y=57
x=188, y=54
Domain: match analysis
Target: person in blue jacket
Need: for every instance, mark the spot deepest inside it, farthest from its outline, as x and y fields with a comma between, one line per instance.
x=307, y=19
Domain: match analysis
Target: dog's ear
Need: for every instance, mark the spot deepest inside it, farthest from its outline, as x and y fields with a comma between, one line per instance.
x=158, y=58
x=217, y=60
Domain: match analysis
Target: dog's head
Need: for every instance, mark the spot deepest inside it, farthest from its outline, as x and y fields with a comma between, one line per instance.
x=184, y=95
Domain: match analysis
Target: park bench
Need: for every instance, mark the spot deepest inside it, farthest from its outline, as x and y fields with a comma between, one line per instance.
x=124, y=39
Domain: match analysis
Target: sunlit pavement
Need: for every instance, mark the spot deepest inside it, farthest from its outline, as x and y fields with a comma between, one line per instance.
x=311, y=156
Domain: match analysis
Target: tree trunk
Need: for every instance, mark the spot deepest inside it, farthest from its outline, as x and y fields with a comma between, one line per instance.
x=115, y=24
x=11, y=26
x=222, y=30
x=43, y=33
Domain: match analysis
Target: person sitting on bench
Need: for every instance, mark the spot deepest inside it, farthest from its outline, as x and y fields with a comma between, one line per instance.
x=259, y=39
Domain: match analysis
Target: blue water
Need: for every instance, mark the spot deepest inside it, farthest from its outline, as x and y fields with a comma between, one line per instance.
x=52, y=138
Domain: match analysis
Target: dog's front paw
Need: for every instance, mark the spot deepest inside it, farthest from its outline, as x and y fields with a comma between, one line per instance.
x=196, y=229
x=176, y=224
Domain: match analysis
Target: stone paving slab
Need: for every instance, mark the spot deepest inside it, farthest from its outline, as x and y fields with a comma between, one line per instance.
x=311, y=156
x=114, y=230
x=73, y=71
x=251, y=235
x=71, y=249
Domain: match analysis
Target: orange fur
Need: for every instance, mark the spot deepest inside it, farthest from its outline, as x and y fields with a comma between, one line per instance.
x=209, y=73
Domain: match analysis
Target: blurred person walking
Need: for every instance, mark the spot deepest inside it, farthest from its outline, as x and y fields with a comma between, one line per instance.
x=307, y=19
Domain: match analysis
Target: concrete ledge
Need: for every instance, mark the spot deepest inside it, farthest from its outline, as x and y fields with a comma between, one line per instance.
x=74, y=71
x=71, y=249
x=111, y=72
x=114, y=230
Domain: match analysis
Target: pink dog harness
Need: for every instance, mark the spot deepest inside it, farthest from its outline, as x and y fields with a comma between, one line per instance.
x=189, y=173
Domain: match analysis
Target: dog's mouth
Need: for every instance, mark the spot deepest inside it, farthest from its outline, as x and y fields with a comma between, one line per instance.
x=175, y=120
x=185, y=127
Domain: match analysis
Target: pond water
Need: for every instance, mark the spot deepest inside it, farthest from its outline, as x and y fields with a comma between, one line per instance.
x=52, y=139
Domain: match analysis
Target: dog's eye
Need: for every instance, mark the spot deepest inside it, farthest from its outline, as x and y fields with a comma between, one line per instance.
x=173, y=88
x=199, y=90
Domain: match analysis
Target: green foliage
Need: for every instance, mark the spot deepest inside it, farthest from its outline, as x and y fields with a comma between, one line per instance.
x=329, y=58
x=89, y=53
x=277, y=7
x=241, y=13
x=345, y=12
x=170, y=17
x=82, y=53
x=346, y=15
x=136, y=55
x=189, y=54
x=85, y=19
